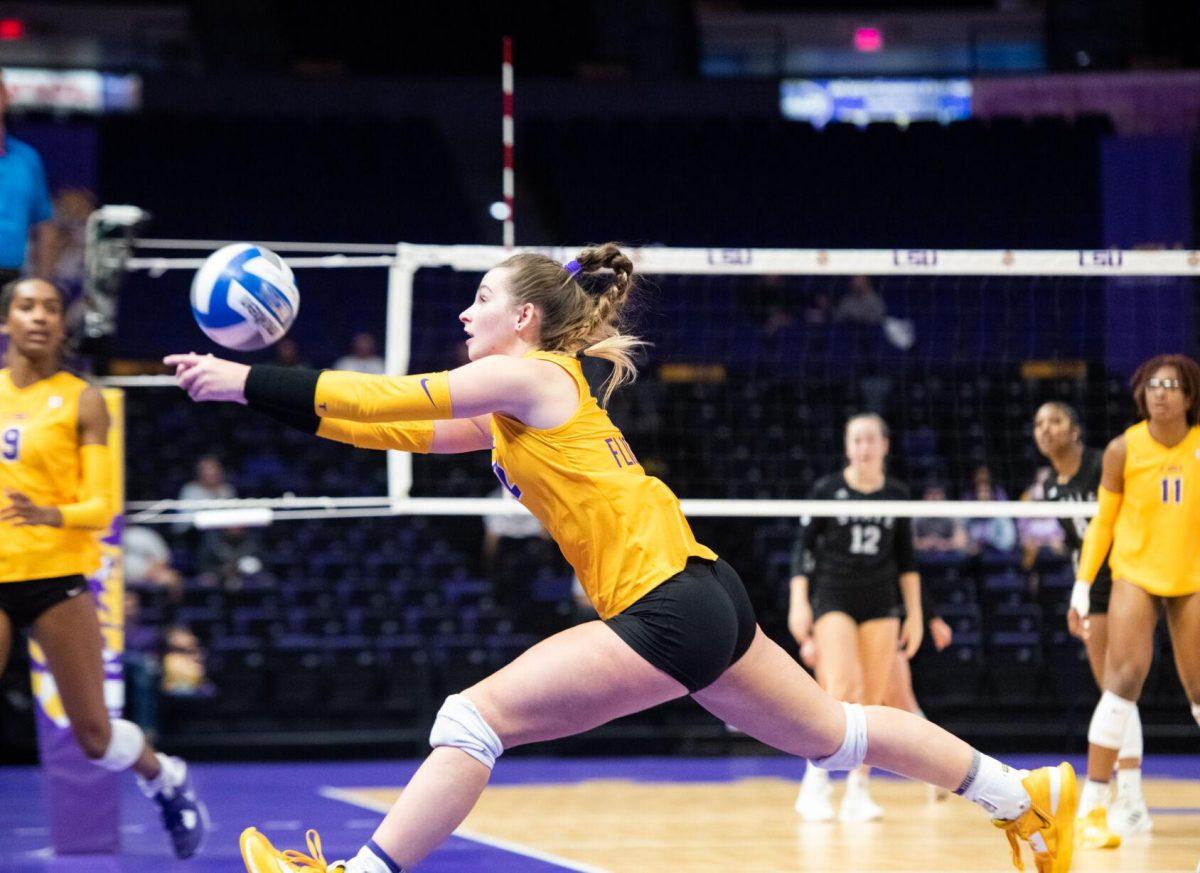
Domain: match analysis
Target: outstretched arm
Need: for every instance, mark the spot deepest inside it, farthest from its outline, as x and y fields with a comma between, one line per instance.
x=521, y=388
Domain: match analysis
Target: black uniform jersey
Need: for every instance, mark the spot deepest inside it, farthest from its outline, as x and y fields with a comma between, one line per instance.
x=854, y=551
x=1083, y=486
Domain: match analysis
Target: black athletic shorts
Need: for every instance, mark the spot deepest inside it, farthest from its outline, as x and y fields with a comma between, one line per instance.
x=862, y=603
x=23, y=602
x=694, y=626
x=1099, y=594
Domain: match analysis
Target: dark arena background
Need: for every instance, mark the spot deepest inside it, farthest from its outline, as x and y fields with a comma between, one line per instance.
x=944, y=213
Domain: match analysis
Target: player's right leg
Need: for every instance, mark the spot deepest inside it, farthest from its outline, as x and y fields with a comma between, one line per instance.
x=1132, y=615
x=573, y=681
x=768, y=696
x=6, y=640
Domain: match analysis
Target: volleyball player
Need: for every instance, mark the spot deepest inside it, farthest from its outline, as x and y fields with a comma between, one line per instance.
x=56, y=475
x=1076, y=477
x=844, y=594
x=674, y=618
x=1149, y=514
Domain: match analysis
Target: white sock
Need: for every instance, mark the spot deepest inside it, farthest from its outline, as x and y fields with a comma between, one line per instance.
x=367, y=861
x=1129, y=783
x=170, y=776
x=996, y=787
x=815, y=776
x=858, y=780
x=1094, y=794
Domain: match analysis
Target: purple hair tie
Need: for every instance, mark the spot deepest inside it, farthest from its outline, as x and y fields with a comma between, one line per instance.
x=573, y=268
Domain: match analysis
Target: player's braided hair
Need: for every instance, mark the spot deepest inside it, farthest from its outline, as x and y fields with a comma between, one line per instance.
x=575, y=320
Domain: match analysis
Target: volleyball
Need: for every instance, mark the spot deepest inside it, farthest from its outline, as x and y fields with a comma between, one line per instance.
x=244, y=297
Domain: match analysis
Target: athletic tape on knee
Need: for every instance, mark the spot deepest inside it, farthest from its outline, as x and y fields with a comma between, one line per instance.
x=1109, y=719
x=124, y=748
x=460, y=725
x=854, y=747
x=1196, y=712
x=1131, y=745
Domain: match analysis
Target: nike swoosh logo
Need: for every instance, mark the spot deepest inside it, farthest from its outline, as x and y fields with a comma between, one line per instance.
x=425, y=388
x=76, y=591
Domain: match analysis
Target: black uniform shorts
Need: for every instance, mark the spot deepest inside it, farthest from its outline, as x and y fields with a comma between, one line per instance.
x=24, y=602
x=694, y=626
x=862, y=603
x=1099, y=594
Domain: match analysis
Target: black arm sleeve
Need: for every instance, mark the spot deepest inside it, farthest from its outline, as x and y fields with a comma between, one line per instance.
x=906, y=561
x=806, y=542
x=286, y=394
x=308, y=423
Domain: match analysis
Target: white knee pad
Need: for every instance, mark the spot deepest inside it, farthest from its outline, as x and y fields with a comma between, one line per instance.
x=1108, y=721
x=853, y=750
x=1196, y=712
x=460, y=725
x=124, y=748
x=1131, y=745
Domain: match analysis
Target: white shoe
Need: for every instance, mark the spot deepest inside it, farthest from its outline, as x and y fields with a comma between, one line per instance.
x=1130, y=816
x=857, y=806
x=813, y=803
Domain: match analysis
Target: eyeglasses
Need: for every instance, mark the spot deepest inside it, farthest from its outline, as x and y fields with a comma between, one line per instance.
x=1167, y=384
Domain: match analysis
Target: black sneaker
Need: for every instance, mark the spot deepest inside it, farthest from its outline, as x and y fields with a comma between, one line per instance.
x=184, y=816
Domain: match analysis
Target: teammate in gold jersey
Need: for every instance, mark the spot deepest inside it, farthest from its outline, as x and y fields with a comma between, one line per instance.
x=56, y=479
x=674, y=618
x=1150, y=515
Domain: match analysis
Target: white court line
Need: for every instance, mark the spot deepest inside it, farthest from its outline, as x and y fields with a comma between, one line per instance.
x=495, y=842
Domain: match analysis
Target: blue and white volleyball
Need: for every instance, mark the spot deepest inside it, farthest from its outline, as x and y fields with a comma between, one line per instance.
x=244, y=297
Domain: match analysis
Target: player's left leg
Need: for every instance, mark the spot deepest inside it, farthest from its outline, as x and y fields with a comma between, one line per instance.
x=768, y=696
x=69, y=635
x=1183, y=619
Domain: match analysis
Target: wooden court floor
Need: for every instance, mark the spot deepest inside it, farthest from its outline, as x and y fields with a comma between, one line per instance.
x=748, y=824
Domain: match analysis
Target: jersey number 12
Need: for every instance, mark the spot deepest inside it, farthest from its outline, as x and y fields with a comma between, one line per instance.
x=864, y=539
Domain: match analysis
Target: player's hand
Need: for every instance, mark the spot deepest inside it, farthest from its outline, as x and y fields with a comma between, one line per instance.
x=204, y=377
x=800, y=621
x=809, y=653
x=1078, y=624
x=911, y=634
x=23, y=512
x=940, y=632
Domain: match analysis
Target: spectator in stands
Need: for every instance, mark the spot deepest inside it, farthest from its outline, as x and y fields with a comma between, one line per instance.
x=229, y=556
x=940, y=536
x=287, y=354
x=861, y=303
x=1039, y=536
x=147, y=559
x=143, y=669
x=990, y=534
x=183, y=671
x=25, y=209
x=512, y=546
x=363, y=357
x=68, y=239
x=209, y=484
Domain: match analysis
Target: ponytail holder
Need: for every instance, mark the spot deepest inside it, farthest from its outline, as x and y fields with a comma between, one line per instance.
x=573, y=268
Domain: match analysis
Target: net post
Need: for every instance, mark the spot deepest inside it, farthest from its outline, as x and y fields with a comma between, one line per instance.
x=398, y=352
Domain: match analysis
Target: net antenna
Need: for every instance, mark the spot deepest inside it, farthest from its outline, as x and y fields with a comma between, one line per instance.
x=508, y=180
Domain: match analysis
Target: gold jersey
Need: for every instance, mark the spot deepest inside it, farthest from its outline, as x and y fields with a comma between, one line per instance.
x=39, y=456
x=622, y=531
x=1156, y=542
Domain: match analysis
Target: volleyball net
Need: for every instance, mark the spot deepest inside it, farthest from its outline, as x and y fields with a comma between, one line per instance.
x=758, y=358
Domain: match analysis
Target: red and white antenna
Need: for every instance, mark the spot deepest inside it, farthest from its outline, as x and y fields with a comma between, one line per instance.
x=509, y=180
